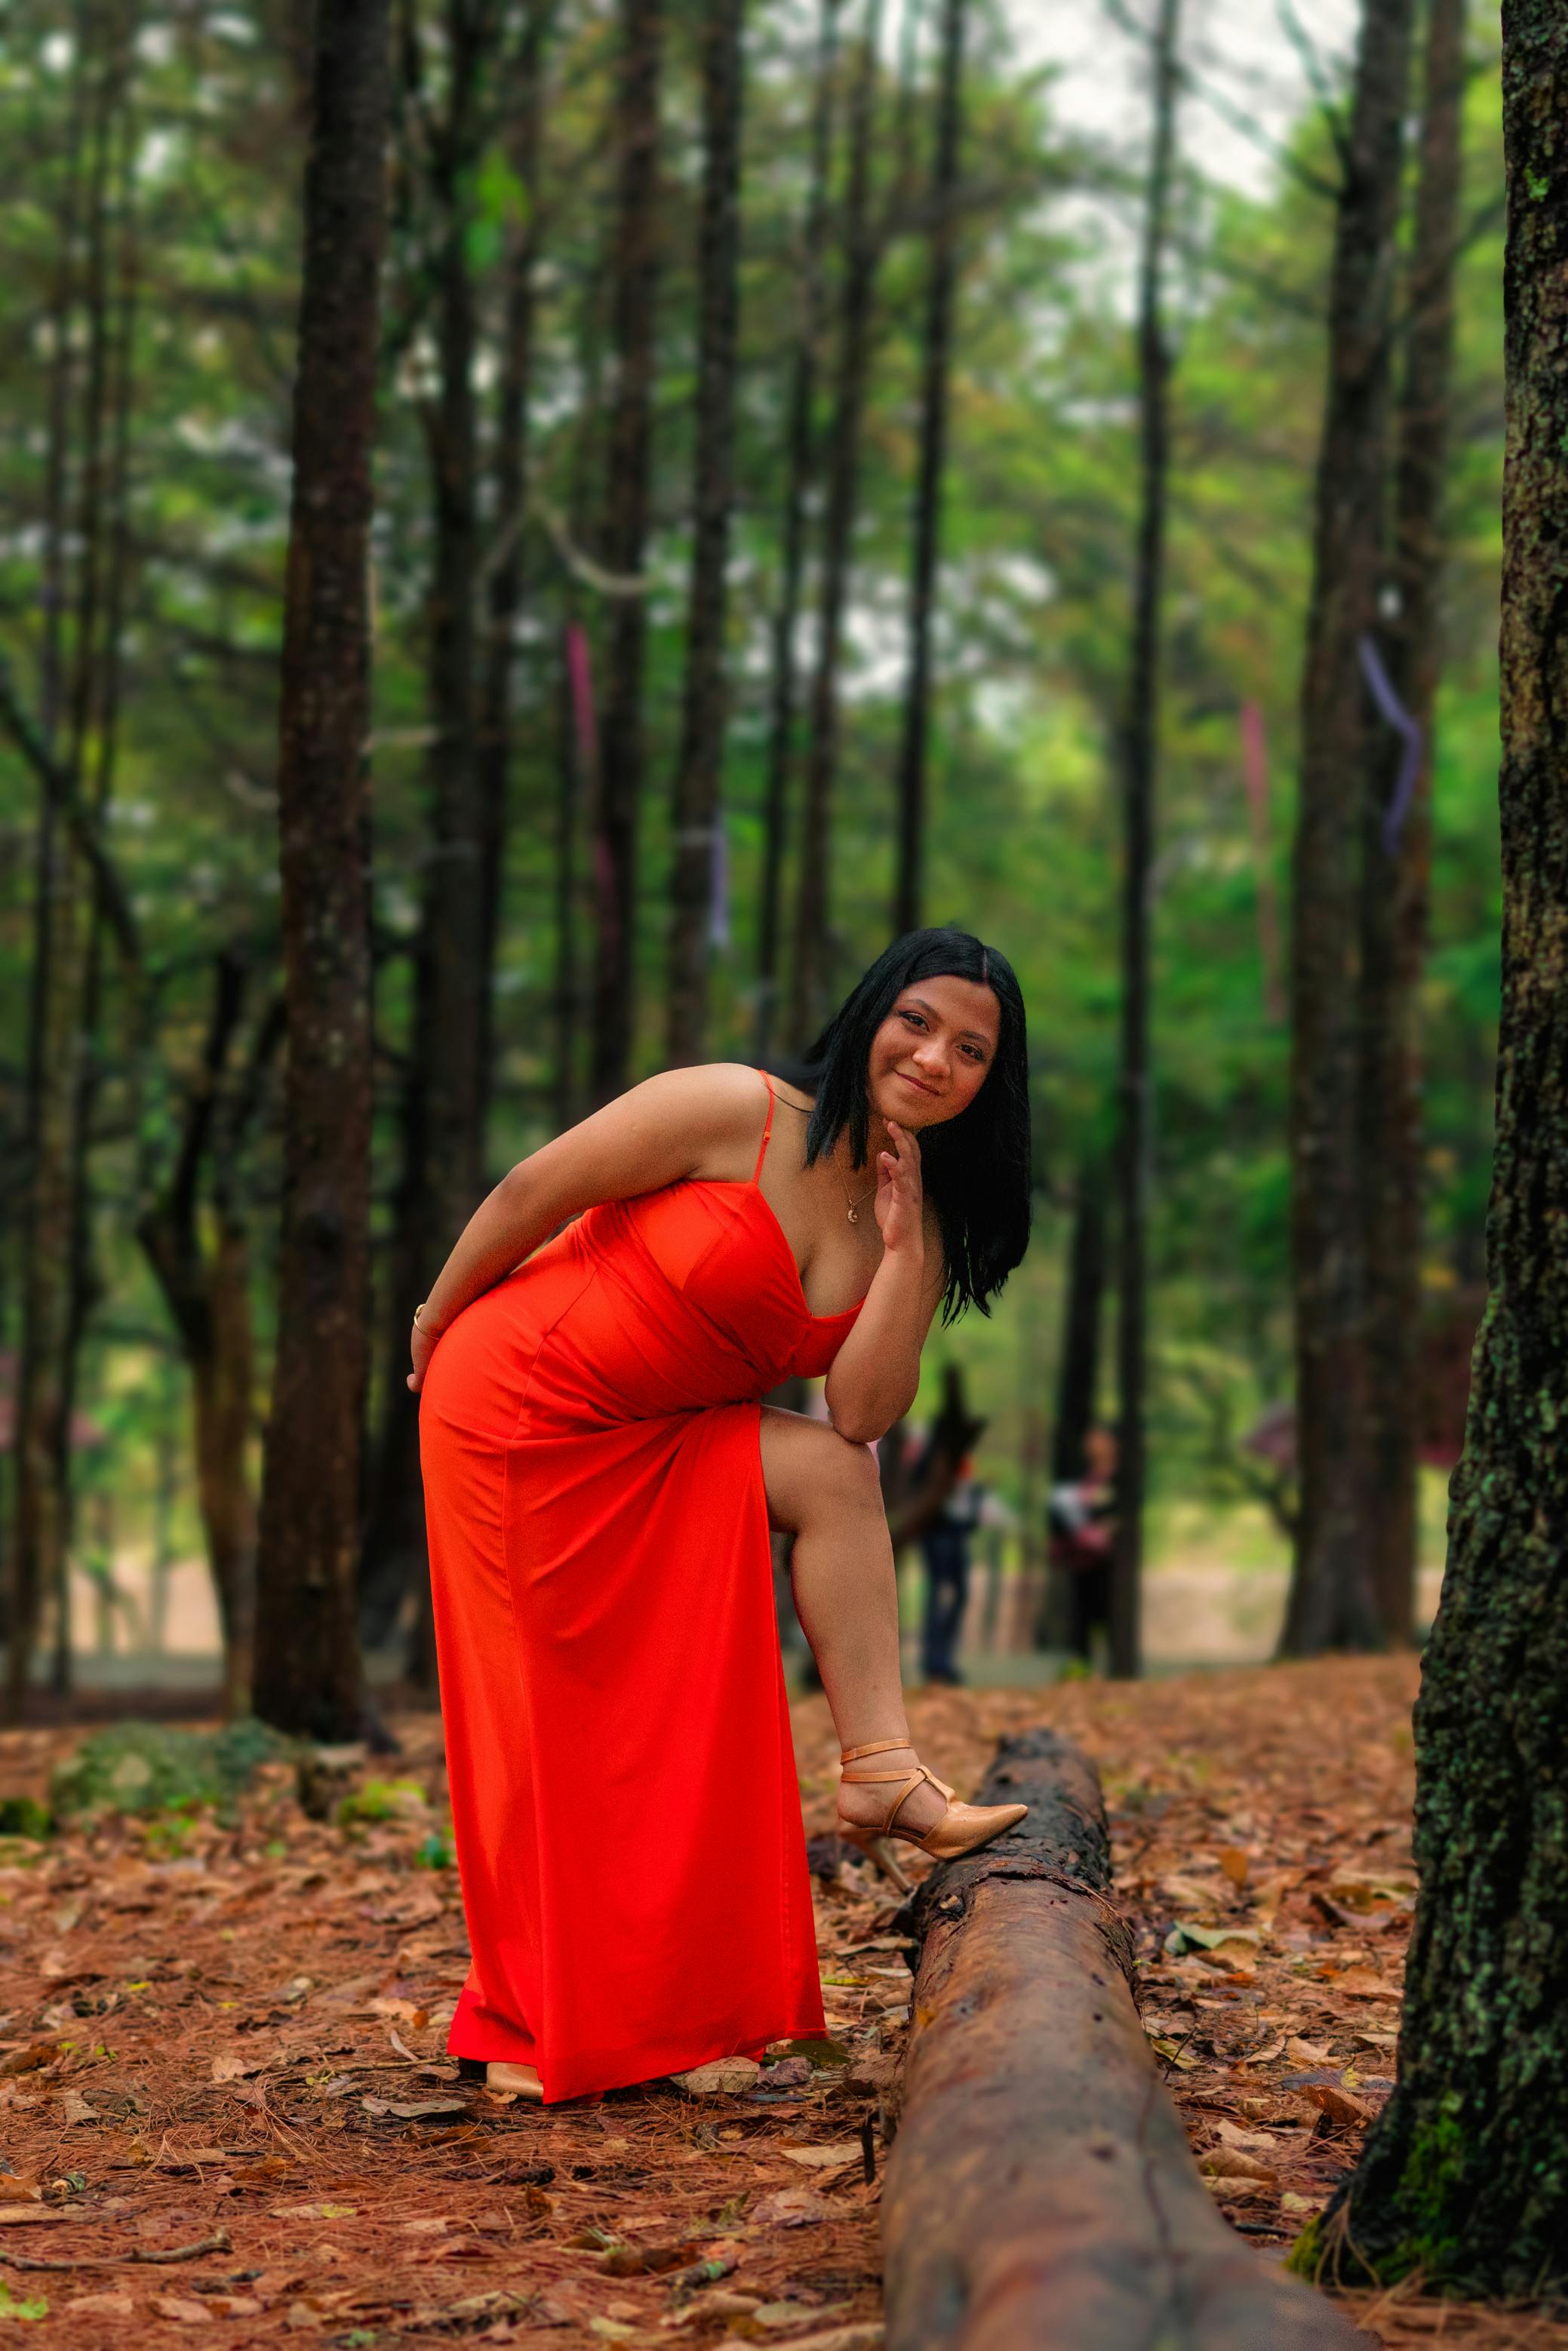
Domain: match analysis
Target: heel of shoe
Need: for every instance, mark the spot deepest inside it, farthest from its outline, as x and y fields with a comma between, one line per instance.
x=874, y=1847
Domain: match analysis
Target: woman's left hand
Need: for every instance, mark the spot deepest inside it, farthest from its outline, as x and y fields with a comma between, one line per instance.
x=899, y=1195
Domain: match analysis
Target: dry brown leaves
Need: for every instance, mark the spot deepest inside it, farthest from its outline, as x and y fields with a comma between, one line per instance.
x=223, y=2095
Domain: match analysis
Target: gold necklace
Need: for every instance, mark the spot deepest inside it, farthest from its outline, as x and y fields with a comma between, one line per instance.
x=854, y=1206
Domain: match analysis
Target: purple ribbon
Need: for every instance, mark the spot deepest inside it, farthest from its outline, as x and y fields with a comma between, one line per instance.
x=1399, y=717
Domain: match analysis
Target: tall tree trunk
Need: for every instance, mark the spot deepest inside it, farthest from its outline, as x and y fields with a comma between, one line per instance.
x=696, y=812
x=909, y=891
x=52, y=1216
x=1078, y=1367
x=812, y=978
x=111, y=311
x=1139, y=760
x=493, y=748
x=1330, y=1602
x=207, y=1293
x=1396, y=875
x=1463, y=2176
x=445, y=1093
x=1078, y=1372
x=308, y=1675
x=800, y=459
x=626, y=530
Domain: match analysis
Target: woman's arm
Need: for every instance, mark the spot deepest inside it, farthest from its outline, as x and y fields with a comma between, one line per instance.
x=654, y=1135
x=876, y=1372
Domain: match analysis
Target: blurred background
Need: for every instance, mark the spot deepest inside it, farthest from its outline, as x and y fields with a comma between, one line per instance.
x=1003, y=281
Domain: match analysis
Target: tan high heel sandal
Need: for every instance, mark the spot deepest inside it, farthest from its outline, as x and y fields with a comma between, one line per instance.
x=962, y=1828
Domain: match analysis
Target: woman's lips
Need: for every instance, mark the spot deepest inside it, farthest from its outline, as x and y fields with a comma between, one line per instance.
x=919, y=1085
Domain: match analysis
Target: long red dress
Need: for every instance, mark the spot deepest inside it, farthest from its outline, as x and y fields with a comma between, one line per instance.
x=625, y=1797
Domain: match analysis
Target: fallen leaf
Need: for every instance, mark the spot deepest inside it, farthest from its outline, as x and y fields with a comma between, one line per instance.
x=28, y=2060
x=646, y=2261
x=19, y=2183
x=1173, y=2053
x=1337, y=2104
x=1361, y=1983
x=19, y=2216
x=76, y=2108
x=228, y=2065
x=825, y=2158
x=422, y=2228
x=1290, y=2203
x=182, y=2307
x=1231, y=2166
x=1235, y=1863
x=316, y=2212
x=415, y=2109
x=860, y=2335
x=790, y=2208
x=102, y=2306
x=722, y=2078
x=1305, y=2053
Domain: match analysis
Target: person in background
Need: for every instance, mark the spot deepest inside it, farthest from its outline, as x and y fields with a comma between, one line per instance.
x=1082, y=1532
x=944, y=1546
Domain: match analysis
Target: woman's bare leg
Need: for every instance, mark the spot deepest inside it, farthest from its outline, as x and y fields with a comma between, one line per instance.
x=825, y=1492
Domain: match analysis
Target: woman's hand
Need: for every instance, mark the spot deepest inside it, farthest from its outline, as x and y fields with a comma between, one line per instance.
x=421, y=1347
x=899, y=1195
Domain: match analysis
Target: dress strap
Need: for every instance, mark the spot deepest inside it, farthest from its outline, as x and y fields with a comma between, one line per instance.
x=768, y=1130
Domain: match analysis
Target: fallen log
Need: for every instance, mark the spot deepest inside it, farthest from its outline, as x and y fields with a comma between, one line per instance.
x=1041, y=2192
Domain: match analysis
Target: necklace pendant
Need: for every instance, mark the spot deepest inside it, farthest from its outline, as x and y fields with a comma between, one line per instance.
x=854, y=1216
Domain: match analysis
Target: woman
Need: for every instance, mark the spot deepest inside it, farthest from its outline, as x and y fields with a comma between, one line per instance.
x=601, y=1478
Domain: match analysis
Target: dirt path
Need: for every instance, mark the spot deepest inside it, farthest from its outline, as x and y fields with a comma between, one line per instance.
x=222, y=2043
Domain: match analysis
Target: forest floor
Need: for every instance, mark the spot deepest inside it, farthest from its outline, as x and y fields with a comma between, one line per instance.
x=224, y=2115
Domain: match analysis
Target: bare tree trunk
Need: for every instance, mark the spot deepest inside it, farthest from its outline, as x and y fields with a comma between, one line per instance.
x=800, y=460
x=1139, y=761
x=1331, y=1602
x=444, y=1096
x=308, y=1675
x=51, y=1288
x=208, y=1296
x=696, y=811
x=493, y=748
x=1462, y=2180
x=812, y=979
x=626, y=530
x=908, y=895
x=1396, y=877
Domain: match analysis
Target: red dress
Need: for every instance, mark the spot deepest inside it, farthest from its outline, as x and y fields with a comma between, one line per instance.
x=624, y=1798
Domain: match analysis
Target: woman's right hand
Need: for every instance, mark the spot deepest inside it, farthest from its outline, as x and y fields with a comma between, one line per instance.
x=421, y=1344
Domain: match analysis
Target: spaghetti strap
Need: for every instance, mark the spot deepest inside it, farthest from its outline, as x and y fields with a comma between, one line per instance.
x=768, y=1130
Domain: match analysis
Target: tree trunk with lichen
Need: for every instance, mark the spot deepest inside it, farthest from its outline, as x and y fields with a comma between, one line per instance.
x=1465, y=2176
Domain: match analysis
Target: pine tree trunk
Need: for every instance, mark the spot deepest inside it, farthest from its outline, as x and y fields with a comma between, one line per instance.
x=1330, y=1602
x=447, y=1087
x=908, y=893
x=800, y=459
x=493, y=748
x=308, y=1675
x=696, y=812
x=1464, y=2176
x=812, y=979
x=208, y=1298
x=626, y=530
x=1396, y=876
x=1139, y=756
x=1078, y=1370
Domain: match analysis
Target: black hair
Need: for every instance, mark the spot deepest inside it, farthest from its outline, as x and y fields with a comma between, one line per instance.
x=974, y=1167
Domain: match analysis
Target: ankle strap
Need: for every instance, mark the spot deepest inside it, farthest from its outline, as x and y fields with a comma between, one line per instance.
x=874, y=1746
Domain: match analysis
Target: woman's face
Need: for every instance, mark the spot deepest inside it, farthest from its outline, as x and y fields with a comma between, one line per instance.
x=930, y=1056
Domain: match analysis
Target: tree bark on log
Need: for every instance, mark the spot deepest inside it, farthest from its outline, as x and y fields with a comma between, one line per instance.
x=1041, y=2192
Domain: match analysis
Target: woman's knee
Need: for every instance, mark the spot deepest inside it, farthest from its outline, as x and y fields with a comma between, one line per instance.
x=809, y=1470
